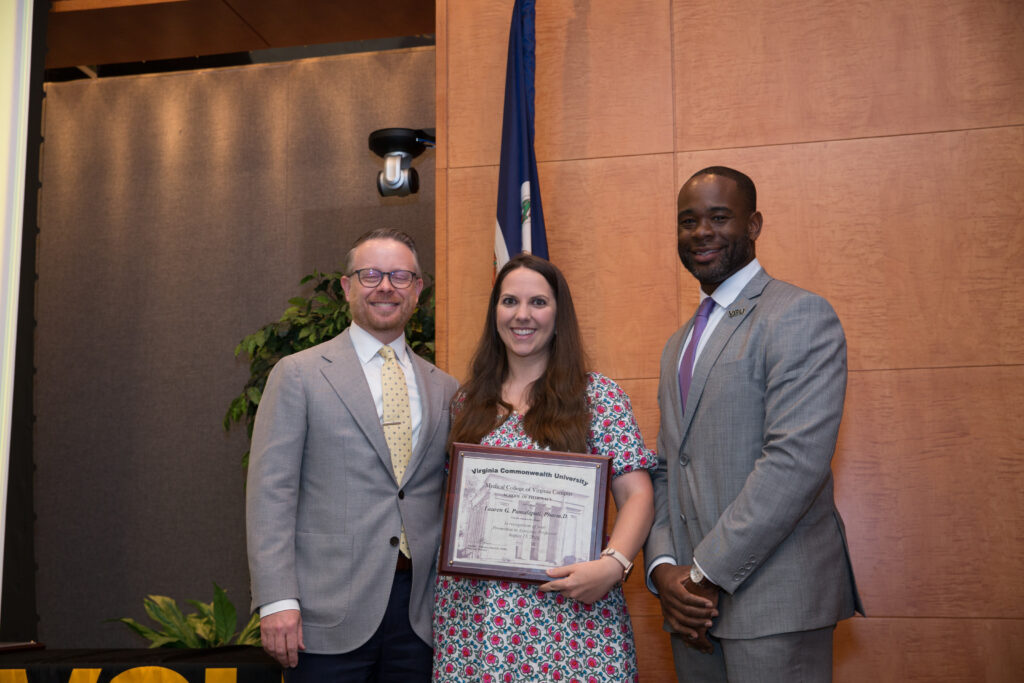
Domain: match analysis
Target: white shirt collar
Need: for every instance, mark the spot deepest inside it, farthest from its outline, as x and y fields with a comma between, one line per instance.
x=367, y=345
x=728, y=291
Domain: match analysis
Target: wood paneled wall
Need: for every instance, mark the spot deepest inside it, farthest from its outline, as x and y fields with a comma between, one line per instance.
x=887, y=143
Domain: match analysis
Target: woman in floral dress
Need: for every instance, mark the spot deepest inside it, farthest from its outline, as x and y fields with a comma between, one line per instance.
x=529, y=388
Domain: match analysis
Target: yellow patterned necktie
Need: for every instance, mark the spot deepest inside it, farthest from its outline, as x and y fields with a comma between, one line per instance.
x=397, y=420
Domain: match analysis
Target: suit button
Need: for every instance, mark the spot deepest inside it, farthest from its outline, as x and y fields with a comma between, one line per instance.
x=401, y=495
x=394, y=540
x=684, y=460
x=682, y=517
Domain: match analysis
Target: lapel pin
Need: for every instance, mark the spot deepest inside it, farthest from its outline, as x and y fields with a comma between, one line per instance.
x=737, y=311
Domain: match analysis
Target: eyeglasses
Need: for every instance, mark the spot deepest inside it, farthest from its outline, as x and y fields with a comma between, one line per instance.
x=371, y=277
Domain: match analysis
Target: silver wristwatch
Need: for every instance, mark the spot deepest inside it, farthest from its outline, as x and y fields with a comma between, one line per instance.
x=697, y=576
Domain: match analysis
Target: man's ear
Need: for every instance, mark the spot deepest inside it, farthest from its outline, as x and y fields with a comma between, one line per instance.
x=754, y=225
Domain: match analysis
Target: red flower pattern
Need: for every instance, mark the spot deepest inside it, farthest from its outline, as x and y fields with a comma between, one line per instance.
x=502, y=631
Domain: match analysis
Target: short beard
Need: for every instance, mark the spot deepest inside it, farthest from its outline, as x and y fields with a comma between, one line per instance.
x=735, y=256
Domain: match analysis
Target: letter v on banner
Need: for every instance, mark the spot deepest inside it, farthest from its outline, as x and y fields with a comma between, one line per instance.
x=520, y=224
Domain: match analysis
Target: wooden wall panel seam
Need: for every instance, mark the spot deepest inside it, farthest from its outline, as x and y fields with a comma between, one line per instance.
x=972, y=366
x=854, y=138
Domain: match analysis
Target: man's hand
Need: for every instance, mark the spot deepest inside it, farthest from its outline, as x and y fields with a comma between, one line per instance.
x=687, y=608
x=281, y=633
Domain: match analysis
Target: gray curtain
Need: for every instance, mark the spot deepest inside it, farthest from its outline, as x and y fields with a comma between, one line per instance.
x=178, y=213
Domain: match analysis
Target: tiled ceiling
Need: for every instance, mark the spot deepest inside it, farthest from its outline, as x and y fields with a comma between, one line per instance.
x=99, y=32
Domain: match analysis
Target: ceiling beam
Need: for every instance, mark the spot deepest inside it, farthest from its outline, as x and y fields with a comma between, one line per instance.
x=82, y=5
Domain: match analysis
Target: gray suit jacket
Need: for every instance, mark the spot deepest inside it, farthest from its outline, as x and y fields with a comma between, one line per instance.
x=322, y=504
x=744, y=480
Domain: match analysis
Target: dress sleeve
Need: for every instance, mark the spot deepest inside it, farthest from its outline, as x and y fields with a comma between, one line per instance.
x=613, y=428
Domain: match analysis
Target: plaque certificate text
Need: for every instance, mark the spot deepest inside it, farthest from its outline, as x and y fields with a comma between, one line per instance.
x=513, y=513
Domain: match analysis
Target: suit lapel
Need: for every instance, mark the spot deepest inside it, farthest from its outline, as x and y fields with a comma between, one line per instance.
x=675, y=400
x=734, y=316
x=668, y=390
x=344, y=373
x=431, y=400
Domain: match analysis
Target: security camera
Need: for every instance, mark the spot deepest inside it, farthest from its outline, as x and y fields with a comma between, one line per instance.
x=399, y=146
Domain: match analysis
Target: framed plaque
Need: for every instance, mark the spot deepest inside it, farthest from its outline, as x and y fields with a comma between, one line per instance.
x=512, y=513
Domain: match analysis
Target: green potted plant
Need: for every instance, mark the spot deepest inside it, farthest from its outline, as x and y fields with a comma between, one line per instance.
x=212, y=626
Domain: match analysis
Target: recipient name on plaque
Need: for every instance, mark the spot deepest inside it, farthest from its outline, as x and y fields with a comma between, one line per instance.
x=514, y=513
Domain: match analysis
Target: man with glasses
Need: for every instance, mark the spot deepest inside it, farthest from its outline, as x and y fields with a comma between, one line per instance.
x=748, y=553
x=344, y=500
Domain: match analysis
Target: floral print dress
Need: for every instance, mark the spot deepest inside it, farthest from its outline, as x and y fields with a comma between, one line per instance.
x=494, y=631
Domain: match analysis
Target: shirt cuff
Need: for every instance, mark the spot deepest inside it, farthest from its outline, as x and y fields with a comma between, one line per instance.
x=661, y=559
x=278, y=606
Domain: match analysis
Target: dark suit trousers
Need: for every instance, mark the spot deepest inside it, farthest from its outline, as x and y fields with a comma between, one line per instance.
x=394, y=654
x=801, y=657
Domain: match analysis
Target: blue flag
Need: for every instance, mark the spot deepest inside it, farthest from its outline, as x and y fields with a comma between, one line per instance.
x=520, y=216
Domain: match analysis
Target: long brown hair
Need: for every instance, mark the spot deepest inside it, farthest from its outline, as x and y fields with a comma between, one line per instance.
x=558, y=416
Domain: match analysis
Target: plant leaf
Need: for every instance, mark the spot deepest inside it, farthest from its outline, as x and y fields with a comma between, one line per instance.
x=143, y=630
x=203, y=628
x=250, y=635
x=205, y=608
x=164, y=610
x=225, y=618
x=166, y=641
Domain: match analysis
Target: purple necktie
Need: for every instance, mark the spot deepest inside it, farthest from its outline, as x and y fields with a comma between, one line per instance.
x=686, y=366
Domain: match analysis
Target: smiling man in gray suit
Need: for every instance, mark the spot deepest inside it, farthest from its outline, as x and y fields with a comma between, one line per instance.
x=748, y=553
x=344, y=500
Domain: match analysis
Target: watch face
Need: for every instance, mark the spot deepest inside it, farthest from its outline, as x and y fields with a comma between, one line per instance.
x=695, y=574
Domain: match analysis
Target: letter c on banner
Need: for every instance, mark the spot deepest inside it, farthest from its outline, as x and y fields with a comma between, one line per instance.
x=149, y=674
